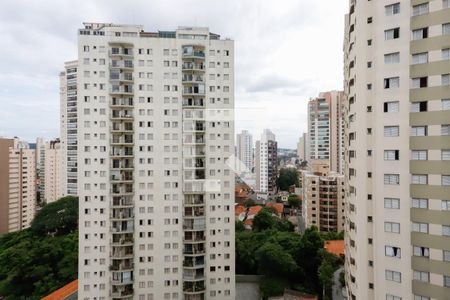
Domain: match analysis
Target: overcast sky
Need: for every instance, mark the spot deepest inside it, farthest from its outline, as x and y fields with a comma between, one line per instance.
x=286, y=52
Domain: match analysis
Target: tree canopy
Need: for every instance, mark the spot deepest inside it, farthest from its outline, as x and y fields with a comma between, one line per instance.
x=36, y=261
x=288, y=177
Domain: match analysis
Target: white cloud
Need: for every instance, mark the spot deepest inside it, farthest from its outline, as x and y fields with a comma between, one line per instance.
x=286, y=52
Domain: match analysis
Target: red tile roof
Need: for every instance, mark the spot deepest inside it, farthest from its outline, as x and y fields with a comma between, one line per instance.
x=63, y=292
x=253, y=210
x=238, y=210
x=335, y=246
x=279, y=207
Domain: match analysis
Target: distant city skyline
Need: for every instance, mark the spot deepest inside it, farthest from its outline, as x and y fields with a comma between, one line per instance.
x=276, y=56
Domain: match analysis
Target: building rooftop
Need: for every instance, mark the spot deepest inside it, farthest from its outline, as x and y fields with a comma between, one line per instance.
x=335, y=246
x=69, y=291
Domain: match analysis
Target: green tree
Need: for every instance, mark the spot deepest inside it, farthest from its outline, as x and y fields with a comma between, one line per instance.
x=36, y=261
x=263, y=220
x=326, y=271
x=293, y=200
x=288, y=177
x=239, y=226
x=272, y=258
x=57, y=218
x=249, y=203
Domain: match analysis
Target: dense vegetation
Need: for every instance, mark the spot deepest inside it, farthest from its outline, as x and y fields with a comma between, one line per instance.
x=286, y=259
x=288, y=177
x=36, y=261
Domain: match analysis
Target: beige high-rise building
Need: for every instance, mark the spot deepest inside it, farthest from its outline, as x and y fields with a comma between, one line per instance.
x=397, y=85
x=323, y=194
x=17, y=185
x=325, y=139
x=52, y=171
x=155, y=129
x=266, y=163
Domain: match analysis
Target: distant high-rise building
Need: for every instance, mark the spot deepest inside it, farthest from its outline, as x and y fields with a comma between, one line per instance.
x=17, y=185
x=301, y=147
x=398, y=149
x=68, y=128
x=40, y=166
x=325, y=129
x=323, y=195
x=244, y=149
x=52, y=171
x=155, y=128
x=266, y=163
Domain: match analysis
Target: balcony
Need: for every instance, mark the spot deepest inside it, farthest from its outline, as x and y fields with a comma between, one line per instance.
x=122, y=140
x=194, y=262
x=122, y=152
x=122, y=164
x=121, y=52
x=121, y=266
x=126, y=293
x=122, y=253
x=192, y=78
x=190, y=66
x=122, y=177
x=122, y=240
x=194, y=238
x=191, y=102
x=119, y=189
x=193, y=276
x=121, y=90
x=121, y=64
x=121, y=115
x=120, y=77
x=194, y=250
x=193, y=287
x=122, y=102
x=190, y=200
x=188, y=226
x=194, y=54
x=194, y=212
x=122, y=214
x=194, y=90
x=122, y=227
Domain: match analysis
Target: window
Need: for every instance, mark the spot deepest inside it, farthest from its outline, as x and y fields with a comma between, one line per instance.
x=393, y=276
x=392, y=82
x=417, y=297
x=420, y=227
x=392, y=227
x=421, y=251
x=391, y=154
x=420, y=9
x=419, y=203
x=392, y=106
x=419, y=155
x=445, y=79
x=419, y=106
x=392, y=297
x=391, y=131
x=445, y=154
x=392, y=203
x=392, y=9
x=420, y=34
x=445, y=129
x=445, y=180
x=420, y=58
x=445, y=54
x=419, y=130
x=419, y=179
x=446, y=281
x=392, y=251
x=421, y=276
x=446, y=230
x=446, y=255
x=391, y=179
x=392, y=58
x=445, y=3
x=445, y=28
x=419, y=82
x=445, y=104
x=392, y=34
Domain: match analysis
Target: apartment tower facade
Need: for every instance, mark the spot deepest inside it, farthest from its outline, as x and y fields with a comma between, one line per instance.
x=244, y=149
x=266, y=163
x=52, y=171
x=155, y=128
x=397, y=159
x=17, y=185
x=326, y=130
x=68, y=128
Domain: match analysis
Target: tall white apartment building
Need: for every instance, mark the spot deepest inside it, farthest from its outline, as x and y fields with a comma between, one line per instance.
x=244, y=149
x=397, y=85
x=68, y=128
x=155, y=127
x=326, y=129
x=266, y=163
